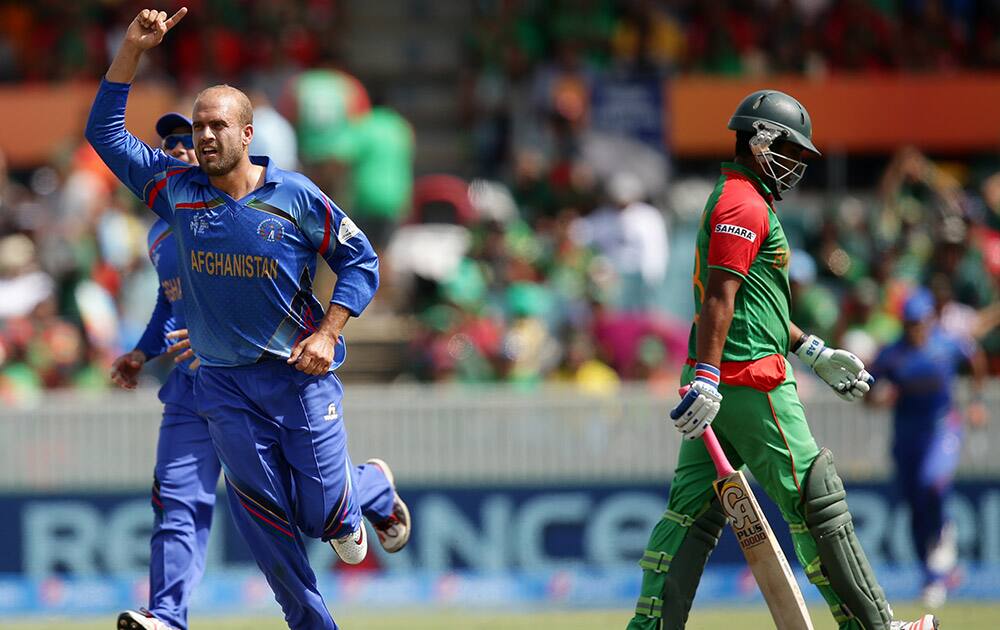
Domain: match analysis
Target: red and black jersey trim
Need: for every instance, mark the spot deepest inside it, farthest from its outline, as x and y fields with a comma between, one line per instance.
x=259, y=205
x=153, y=187
x=155, y=498
x=327, y=224
x=271, y=517
x=200, y=205
x=335, y=519
x=159, y=239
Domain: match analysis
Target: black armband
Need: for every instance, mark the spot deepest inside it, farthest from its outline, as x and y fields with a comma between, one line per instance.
x=798, y=342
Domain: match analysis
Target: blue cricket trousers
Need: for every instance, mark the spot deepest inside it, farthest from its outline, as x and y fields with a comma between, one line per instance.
x=281, y=438
x=925, y=468
x=184, y=483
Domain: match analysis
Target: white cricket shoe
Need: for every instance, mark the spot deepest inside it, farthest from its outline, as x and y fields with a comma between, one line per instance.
x=927, y=622
x=393, y=532
x=934, y=594
x=140, y=620
x=353, y=547
x=943, y=556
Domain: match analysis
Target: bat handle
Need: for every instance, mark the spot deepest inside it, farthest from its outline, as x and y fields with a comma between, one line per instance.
x=722, y=465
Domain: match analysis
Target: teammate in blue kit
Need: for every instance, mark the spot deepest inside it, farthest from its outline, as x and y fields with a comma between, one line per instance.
x=927, y=438
x=187, y=468
x=247, y=235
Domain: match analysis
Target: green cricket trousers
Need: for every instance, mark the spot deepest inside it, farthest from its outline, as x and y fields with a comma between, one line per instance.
x=767, y=432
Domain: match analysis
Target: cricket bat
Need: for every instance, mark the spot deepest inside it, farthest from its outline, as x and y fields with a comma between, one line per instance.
x=766, y=560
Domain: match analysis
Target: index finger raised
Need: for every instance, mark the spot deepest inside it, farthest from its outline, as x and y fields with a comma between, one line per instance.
x=176, y=17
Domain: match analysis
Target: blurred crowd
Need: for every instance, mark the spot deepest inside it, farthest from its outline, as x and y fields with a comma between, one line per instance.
x=583, y=293
x=740, y=37
x=563, y=253
x=927, y=224
x=546, y=55
x=71, y=244
x=506, y=291
x=223, y=40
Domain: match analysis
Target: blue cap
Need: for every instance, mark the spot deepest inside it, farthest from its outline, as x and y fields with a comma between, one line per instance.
x=918, y=306
x=168, y=122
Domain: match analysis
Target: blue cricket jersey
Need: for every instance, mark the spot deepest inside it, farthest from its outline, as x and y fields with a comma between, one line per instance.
x=924, y=377
x=168, y=315
x=246, y=265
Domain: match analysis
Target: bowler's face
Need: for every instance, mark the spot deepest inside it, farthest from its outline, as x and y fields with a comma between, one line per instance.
x=219, y=139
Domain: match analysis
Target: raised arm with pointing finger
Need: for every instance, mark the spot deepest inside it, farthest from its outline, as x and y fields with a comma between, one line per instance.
x=142, y=169
x=247, y=237
x=221, y=258
x=146, y=31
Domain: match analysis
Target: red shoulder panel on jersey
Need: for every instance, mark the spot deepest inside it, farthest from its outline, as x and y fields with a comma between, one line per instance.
x=739, y=224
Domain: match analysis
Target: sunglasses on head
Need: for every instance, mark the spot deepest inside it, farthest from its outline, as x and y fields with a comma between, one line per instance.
x=174, y=139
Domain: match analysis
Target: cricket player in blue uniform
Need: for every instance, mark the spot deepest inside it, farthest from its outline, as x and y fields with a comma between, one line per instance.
x=923, y=366
x=247, y=235
x=187, y=468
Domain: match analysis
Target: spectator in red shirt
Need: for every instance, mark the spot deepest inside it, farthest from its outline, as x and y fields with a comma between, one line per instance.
x=720, y=39
x=859, y=38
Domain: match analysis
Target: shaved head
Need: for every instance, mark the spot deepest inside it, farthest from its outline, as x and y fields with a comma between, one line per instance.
x=239, y=101
x=222, y=128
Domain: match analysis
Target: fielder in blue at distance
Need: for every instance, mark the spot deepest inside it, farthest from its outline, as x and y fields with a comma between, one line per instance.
x=247, y=234
x=187, y=468
x=922, y=365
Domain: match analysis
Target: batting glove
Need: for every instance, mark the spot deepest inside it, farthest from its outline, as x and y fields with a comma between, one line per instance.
x=700, y=403
x=841, y=370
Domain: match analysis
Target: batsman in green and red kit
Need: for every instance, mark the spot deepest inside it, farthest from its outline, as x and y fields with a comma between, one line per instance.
x=738, y=380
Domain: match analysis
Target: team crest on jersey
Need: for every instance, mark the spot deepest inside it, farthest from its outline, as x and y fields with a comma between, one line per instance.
x=736, y=230
x=271, y=230
x=199, y=225
x=781, y=258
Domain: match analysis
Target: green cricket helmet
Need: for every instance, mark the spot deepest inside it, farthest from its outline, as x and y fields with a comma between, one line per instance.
x=775, y=116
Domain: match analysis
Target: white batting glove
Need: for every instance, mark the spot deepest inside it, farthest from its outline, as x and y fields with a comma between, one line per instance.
x=700, y=403
x=841, y=370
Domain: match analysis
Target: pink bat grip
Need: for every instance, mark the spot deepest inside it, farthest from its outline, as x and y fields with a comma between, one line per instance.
x=719, y=458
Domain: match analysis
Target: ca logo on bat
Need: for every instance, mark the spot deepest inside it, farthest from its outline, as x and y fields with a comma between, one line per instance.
x=737, y=506
x=746, y=523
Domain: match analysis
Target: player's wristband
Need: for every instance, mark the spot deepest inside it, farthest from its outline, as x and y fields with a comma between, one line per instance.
x=810, y=349
x=798, y=342
x=707, y=373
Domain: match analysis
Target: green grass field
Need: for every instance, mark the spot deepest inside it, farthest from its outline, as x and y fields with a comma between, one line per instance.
x=956, y=616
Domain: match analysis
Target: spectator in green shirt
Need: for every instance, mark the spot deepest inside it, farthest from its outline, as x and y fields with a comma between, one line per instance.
x=378, y=150
x=322, y=103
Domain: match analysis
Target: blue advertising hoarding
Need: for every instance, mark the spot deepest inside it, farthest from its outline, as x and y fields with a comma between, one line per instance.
x=534, y=545
x=633, y=106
